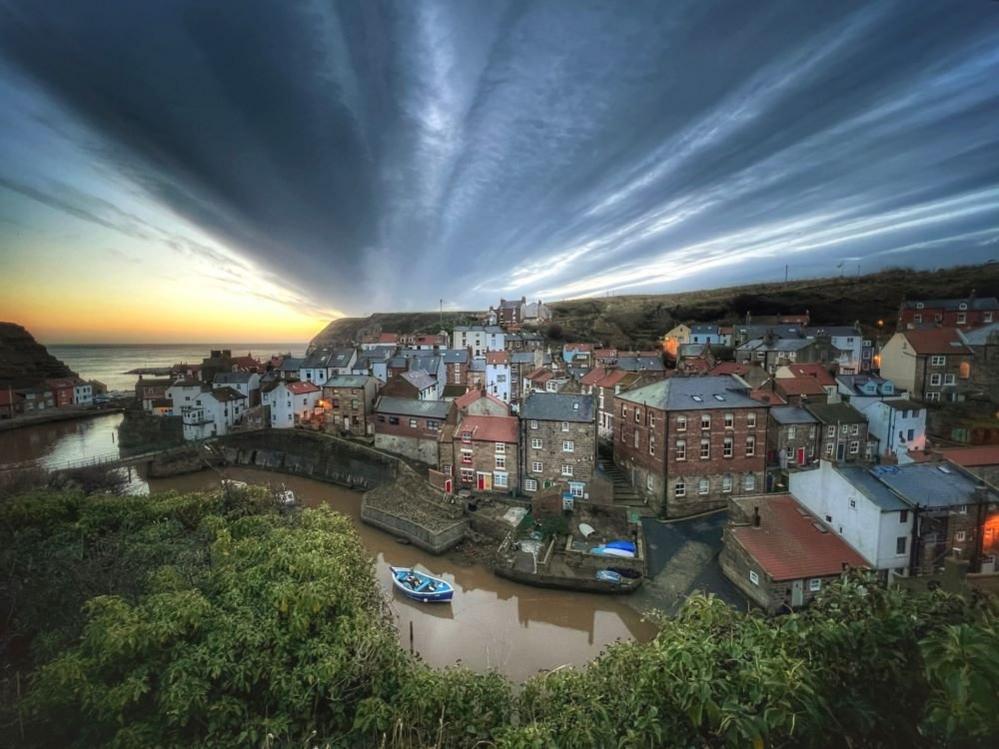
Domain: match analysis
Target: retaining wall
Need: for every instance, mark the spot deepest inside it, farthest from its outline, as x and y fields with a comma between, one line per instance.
x=434, y=541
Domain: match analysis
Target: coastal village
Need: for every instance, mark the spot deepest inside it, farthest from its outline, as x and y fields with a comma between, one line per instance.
x=805, y=449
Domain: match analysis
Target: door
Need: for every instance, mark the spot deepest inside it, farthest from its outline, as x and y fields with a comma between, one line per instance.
x=797, y=593
x=801, y=456
x=840, y=450
x=346, y=423
x=484, y=482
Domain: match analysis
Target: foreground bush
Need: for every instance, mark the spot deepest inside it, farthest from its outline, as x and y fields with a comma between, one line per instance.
x=219, y=620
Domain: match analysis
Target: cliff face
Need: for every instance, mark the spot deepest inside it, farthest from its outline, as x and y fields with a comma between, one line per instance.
x=24, y=361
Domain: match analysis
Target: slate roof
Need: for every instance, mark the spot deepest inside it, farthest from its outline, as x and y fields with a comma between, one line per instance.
x=869, y=485
x=489, y=428
x=980, y=336
x=693, y=393
x=788, y=415
x=789, y=544
x=291, y=364
x=411, y=407
x=640, y=364
x=558, y=407
x=454, y=356
x=836, y=413
x=933, y=485
x=226, y=394
x=347, y=381
x=702, y=328
x=419, y=378
x=978, y=303
x=838, y=331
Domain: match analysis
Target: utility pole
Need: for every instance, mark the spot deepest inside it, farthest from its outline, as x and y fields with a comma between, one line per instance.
x=786, y=266
x=442, y=313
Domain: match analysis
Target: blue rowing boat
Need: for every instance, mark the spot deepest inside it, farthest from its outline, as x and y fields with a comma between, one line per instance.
x=420, y=586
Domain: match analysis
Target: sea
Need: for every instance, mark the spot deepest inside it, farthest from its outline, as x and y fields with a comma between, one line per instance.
x=109, y=362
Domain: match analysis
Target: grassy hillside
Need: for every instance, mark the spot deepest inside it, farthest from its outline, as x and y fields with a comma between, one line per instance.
x=24, y=362
x=639, y=320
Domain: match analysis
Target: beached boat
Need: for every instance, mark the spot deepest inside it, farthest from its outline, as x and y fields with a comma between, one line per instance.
x=610, y=576
x=610, y=551
x=420, y=586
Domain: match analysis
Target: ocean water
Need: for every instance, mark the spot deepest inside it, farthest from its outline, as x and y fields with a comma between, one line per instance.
x=109, y=362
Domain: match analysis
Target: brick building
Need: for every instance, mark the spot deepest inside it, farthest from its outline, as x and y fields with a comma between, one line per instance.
x=688, y=443
x=349, y=402
x=62, y=390
x=456, y=365
x=480, y=453
x=792, y=437
x=558, y=441
x=970, y=312
x=411, y=427
x=933, y=365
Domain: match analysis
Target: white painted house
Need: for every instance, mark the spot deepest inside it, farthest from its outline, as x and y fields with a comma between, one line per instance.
x=183, y=395
x=247, y=383
x=848, y=339
x=854, y=504
x=899, y=425
x=290, y=402
x=213, y=413
x=478, y=338
x=83, y=393
x=320, y=366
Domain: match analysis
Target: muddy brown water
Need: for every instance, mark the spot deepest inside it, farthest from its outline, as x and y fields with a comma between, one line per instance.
x=492, y=623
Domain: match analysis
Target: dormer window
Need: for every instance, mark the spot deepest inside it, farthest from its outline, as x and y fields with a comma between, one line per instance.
x=919, y=305
x=963, y=305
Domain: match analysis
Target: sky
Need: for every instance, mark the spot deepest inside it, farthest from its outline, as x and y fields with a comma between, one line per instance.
x=190, y=170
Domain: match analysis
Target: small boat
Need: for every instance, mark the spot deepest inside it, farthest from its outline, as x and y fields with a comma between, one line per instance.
x=609, y=551
x=622, y=545
x=609, y=576
x=420, y=586
x=286, y=497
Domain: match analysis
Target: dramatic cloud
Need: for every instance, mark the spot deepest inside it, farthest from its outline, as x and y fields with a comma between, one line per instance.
x=373, y=155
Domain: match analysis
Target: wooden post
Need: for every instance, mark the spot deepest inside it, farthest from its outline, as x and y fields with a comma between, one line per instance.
x=410, y=636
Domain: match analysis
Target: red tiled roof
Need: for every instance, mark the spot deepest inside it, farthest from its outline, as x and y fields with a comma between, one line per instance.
x=936, y=341
x=247, y=362
x=815, y=370
x=424, y=340
x=579, y=346
x=729, y=368
x=765, y=395
x=489, y=428
x=969, y=457
x=593, y=376
x=468, y=398
x=540, y=375
x=605, y=353
x=301, y=388
x=789, y=546
x=388, y=338
x=799, y=386
x=497, y=357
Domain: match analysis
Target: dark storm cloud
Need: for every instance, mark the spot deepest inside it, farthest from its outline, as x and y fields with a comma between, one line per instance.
x=387, y=154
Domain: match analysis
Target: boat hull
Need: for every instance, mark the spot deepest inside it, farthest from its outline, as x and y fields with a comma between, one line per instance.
x=442, y=593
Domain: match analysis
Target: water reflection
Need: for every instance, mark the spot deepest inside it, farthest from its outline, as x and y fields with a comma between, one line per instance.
x=61, y=442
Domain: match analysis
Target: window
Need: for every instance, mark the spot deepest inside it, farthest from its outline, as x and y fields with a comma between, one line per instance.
x=466, y=457
x=705, y=449
x=726, y=483
x=903, y=516
x=831, y=431
x=815, y=585
x=467, y=475
x=964, y=370
x=431, y=424
x=679, y=489
x=535, y=443
x=565, y=426
x=652, y=445
x=791, y=431
x=900, y=544
x=638, y=416
x=501, y=462
x=501, y=480
x=681, y=423
x=933, y=397
x=987, y=316
x=534, y=423
x=935, y=379
x=568, y=446
x=530, y=485
x=949, y=379
x=637, y=439
x=466, y=437
x=963, y=509
x=844, y=429
x=576, y=488
x=500, y=447
x=854, y=447
x=566, y=470
x=703, y=486
x=681, y=449
x=536, y=466
x=917, y=317
x=727, y=449
x=729, y=420
x=751, y=420
x=624, y=410
x=393, y=419
x=750, y=446
x=938, y=361
x=652, y=418
x=749, y=483
x=754, y=578
x=854, y=429
x=959, y=536
x=962, y=318
x=705, y=421
x=650, y=483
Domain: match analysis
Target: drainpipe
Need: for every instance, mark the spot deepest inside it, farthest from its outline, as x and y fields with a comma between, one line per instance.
x=914, y=540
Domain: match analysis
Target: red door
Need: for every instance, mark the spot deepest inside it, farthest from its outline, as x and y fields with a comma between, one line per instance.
x=448, y=486
x=480, y=482
x=801, y=456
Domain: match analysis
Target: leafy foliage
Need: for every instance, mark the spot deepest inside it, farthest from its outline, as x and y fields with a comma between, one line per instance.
x=219, y=620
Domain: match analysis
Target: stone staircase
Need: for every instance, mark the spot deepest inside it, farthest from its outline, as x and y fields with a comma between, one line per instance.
x=624, y=492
